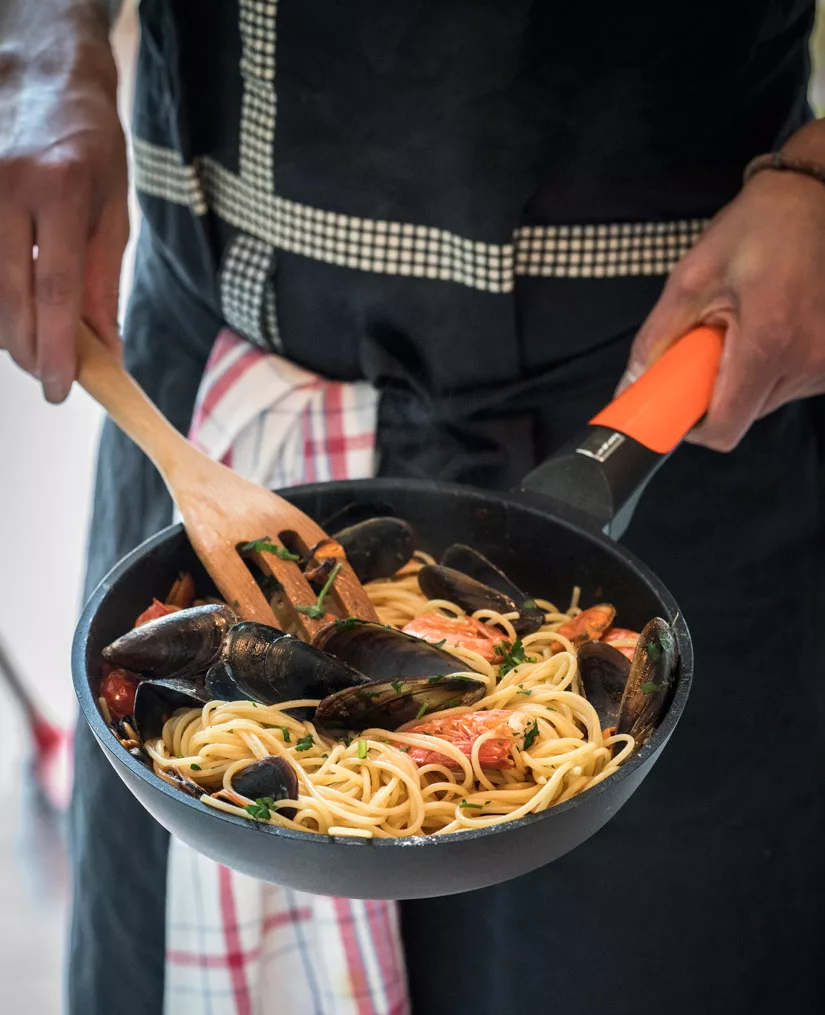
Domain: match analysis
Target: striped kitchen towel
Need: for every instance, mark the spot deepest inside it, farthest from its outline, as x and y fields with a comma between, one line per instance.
x=234, y=945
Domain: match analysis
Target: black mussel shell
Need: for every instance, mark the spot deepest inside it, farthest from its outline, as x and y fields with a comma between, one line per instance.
x=355, y=513
x=389, y=704
x=377, y=547
x=156, y=700
x=220, y=684
x=650, y=682
x=383, y=653
x=604, y=672
x=271, y=777
x=270, y=667
x=181, y=644
x=439, y=582
x=475, y=565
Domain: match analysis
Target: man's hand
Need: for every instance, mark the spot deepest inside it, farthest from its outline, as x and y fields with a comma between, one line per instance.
x=758, y=271
x=63, y=186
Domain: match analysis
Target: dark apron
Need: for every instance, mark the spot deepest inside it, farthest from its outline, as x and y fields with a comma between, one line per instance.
x=704, y=895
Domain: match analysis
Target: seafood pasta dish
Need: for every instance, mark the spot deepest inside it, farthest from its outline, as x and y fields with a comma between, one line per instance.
x=471, y=703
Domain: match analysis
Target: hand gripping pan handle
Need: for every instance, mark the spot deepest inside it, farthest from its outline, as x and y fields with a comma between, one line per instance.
x=600, y=474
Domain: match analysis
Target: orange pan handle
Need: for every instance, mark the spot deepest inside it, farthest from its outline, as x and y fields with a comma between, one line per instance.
x=670, y=398
x=596, y=479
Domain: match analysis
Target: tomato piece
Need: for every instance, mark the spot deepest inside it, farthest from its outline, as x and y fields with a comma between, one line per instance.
x=622, y=639
x=589, y=625
x=463, y=730
x=157, y=609
x=118, y=689
x=463, y=632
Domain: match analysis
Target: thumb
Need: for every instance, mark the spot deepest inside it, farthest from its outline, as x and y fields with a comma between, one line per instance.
x=672, y=317
x=103, y=267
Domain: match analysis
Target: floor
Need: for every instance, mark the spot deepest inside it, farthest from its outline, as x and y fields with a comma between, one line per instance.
x=46, y=462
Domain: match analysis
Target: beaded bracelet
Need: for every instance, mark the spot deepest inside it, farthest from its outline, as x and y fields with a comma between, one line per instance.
x=776, y=160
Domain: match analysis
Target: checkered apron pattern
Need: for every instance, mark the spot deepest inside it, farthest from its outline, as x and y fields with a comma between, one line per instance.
x=234, y=945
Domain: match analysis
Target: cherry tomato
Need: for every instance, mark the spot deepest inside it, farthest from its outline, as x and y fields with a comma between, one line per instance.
x=463, y=632
x=118, y=691
x=463, y=730
x=157, y=609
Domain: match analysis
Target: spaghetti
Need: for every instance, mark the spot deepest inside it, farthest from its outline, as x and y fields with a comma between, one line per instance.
x=531, y=742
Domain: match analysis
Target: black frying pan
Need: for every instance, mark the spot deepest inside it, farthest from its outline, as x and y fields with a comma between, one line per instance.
x=549, y=535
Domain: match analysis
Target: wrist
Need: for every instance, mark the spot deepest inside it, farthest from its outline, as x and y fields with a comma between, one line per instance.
x=807, y=143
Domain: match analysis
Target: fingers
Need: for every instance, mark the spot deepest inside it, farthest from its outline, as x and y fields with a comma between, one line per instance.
x=683, y=304
x=61, y=231
x=747, y=378
x=104, y=259
x=16, y=316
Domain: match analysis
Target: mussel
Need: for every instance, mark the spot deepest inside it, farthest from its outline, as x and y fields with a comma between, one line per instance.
x=269, y=667
x=156, y=700
x=181, y=644
x=388, y=704
x=650, y=682
x=375, y=548
x=383, y=653
x=474, y=565
x=603, y=671
x=271, y=777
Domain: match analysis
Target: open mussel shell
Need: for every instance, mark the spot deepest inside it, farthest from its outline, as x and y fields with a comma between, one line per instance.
x=650, y=682
x=603, y=671
x=272, y=777
x=473, y=564
x=270, y=667
x=180, y=644
x=354, y=513
x=157, y=700
x=221, y=685
x=382, y=653
x=389, y=704
x=378, y=547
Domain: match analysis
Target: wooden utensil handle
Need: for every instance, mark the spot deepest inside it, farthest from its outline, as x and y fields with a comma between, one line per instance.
x=105, y=378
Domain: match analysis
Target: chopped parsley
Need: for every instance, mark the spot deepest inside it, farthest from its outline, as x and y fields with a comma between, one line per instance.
x=529, y=604
x=347, y=741
x=653, y=650
x=305, y=743
x=439, y=644
x=464, y=805
x=324, y=755
x=316, y=611
x=452, y=703
x=651, y=688
x=404, y=749
x=396, y=686
x=196, y=766
x=436, y=680
x=422, y=711
x=266, y=545
x=512, y=655
x=523, y=691
x=362, y=749
x=285, y=731
x=346, y=625
x=367, y=695
x=254, y=704
x=261, y=809
x=531, y=735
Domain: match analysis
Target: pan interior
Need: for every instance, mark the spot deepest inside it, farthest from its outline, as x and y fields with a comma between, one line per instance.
x=544, y=555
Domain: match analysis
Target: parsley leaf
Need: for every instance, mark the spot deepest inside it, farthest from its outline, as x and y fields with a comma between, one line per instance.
x=439, y=644
x=196, y=766
x=266, y=545
x=523, y=691
x=262, y=808
x=651, y=688
x=653, y=650
x=436, y=680
x=531, y=735
x=285, y=731
x=305, y=743
x=362, y=749
x=422, y=711
x=465, y=806
x=316, y=611
x=347, y=741
x=346, y=625
x=512, y=655
x=396, y=686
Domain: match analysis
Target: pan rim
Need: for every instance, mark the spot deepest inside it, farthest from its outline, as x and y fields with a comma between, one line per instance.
x=103, y=734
